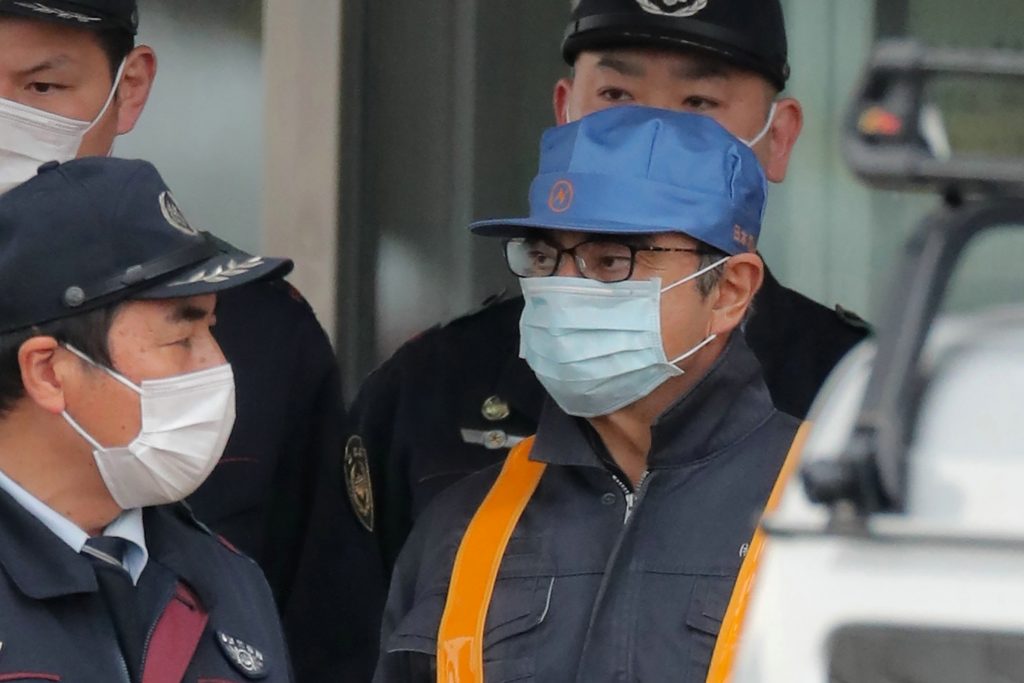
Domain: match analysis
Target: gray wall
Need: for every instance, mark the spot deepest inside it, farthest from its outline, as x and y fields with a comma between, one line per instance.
x=203, y=126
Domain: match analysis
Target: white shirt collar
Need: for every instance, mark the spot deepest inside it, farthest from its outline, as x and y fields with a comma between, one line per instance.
x=127, y=525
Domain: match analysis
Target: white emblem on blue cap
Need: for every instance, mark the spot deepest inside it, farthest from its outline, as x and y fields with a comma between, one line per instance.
x=59, y=13
x=672, y=8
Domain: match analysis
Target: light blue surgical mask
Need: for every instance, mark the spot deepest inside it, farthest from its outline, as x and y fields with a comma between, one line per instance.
x=596, y=346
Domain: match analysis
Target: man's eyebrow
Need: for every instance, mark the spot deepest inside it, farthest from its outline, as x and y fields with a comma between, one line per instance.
x=618, y=64
x=46, y=65
x=700, y=69
x=188, y=313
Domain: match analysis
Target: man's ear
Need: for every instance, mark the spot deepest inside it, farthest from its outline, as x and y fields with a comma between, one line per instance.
x=560, y=100
x=785, y=129
x=44, y=371
x=735, y=292
x=136, y=83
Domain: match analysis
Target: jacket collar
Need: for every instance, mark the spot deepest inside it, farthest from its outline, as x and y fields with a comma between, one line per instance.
x=728, y=403
x=171, y=533
x=39, y=563
x=43, y=566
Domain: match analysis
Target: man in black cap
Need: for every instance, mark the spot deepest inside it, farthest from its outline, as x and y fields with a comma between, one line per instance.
x=457, y=397
x=71, y=80
x=115, y=404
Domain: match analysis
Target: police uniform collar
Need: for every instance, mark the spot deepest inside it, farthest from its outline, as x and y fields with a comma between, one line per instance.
x=39, y=563
x=728, y=403
x=173, y=544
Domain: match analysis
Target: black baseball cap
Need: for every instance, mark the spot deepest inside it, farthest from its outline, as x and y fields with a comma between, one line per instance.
x=748, y=33
x=92, y=232
x=91, y=14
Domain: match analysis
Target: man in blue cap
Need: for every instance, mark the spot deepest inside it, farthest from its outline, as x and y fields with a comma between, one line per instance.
x=456, y=398
x=71, y=80
x=607, y=547
x=115, y=405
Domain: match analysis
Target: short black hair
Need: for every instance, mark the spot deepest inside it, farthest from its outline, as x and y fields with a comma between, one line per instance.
x=87, y=332
x=116, y=44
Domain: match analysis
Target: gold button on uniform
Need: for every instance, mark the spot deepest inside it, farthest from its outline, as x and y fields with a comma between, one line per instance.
x=494, y=409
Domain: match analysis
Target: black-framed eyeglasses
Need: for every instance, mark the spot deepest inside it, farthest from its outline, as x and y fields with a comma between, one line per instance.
x=598, y=259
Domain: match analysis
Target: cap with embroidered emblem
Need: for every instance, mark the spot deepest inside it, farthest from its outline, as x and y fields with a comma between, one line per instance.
x=90, y=14
x=747, y=33
x=92, y=232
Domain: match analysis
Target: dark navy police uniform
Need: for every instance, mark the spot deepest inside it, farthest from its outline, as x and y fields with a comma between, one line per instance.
x=268, y=494
x=587, y=592
x=450, y=401
x=55, y=625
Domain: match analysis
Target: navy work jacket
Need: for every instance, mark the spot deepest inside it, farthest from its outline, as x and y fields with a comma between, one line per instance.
x=587, y=592
x=55, y=625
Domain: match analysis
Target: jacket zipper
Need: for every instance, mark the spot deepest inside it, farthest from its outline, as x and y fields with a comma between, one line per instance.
x=171, y=593
x=631, y=498
x=124, y=665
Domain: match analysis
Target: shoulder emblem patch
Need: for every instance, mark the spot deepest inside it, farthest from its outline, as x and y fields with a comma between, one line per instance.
x=357, y=481
x=248, y=660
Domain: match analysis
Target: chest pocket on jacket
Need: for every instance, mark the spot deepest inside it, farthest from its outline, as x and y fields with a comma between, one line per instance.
x=704, y=617
x=518, y=606
x=24, y=677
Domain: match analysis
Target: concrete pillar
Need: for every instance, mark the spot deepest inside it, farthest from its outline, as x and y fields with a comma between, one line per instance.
x=302, y=67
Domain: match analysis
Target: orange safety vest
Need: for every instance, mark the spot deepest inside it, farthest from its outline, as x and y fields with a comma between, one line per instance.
x=460, y=651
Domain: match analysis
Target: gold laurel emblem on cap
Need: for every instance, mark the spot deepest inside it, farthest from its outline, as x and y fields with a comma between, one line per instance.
x=357, y=481
x=672, y=8
x=495, y=408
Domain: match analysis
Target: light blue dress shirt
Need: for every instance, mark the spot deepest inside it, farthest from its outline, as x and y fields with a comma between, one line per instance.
x=128, y=526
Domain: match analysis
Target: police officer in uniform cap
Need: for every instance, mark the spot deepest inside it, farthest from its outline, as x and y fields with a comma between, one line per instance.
x=115, y=404
x=454, y=399
x=71, y=80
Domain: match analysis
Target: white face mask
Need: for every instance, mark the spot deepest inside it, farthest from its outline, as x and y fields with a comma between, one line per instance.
x=30, y=137
x=595, y=346
x=186, y=421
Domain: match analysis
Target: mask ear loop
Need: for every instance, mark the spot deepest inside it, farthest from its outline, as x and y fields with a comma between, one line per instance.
x=110, y=98
x=113, y=373
x=119, y=377
x=707, y=340
x=711, y=337
x=696, y=275
x=764, y=131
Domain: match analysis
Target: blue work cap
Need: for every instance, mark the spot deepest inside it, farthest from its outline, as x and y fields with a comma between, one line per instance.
x=640, y=170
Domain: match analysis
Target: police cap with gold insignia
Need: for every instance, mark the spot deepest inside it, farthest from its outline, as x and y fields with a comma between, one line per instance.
x=122, y=15
x=748, y=33
x=93, y=232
